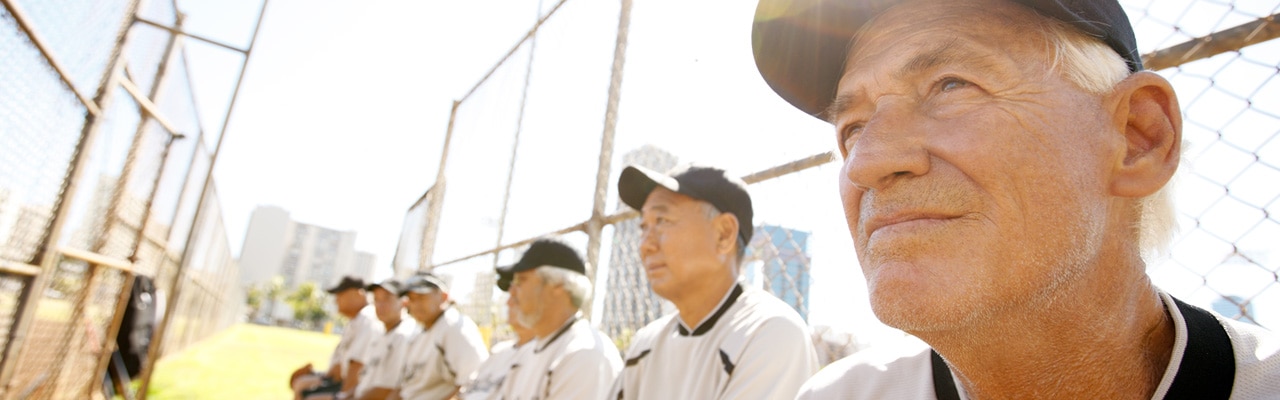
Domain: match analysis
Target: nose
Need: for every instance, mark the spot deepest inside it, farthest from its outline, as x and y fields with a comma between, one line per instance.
x=648, y=242
x=890, y=147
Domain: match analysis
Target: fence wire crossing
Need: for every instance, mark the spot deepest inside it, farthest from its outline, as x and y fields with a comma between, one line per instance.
x=1219, y=55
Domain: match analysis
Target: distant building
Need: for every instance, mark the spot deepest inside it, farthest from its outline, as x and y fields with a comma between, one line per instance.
x=275, y=245
x=778, y=261
x=629, y=303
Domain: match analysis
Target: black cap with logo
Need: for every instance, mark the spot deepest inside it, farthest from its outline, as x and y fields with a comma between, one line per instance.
x=801, y=45
x=544, y=252
x=712, y=185
x=347, y=282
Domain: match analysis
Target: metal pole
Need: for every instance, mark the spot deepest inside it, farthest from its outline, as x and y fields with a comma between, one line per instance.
x=1239, y=37
x=595, y=225
x=175, y=287
x=437, y=198
x=47, y=257
x=24, y=23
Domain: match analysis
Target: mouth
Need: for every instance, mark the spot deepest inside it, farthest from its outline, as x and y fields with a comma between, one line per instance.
x=651, y=267
x=905, y=221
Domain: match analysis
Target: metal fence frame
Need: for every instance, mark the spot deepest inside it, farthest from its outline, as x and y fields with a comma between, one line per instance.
x=200, y=301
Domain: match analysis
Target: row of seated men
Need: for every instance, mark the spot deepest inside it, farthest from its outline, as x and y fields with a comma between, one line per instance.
x=727, y=340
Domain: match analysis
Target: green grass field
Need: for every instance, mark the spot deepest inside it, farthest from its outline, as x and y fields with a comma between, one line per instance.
x=242, y=362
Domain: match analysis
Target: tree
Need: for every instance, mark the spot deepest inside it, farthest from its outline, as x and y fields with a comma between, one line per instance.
x=275, y=291
x=253, y=297
x=308, y=304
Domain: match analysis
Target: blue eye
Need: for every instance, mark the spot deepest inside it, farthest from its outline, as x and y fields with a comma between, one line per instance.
x=951, y=83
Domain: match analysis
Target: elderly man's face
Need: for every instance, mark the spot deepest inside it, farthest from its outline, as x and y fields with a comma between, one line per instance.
x=528, y=297
x=973, y=178
x=677, y=243
x=387, y=305
x=425, y=307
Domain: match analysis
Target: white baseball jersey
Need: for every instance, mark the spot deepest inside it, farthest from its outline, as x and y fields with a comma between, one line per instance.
x=359, y=331
x=577, y=362
x=752, y=346
x=905, y=371
x=441, y=359
x=385, y=357
x=488, y=378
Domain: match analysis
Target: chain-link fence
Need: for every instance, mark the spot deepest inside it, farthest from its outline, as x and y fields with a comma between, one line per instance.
x=530, y=151
x=104, y=178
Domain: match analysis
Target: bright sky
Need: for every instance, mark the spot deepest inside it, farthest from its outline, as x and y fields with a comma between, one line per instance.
x=345, y=107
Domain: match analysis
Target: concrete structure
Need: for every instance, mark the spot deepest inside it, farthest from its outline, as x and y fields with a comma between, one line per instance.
x=275, y=245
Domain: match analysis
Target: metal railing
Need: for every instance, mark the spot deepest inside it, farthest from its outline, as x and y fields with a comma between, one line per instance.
x=105, y=175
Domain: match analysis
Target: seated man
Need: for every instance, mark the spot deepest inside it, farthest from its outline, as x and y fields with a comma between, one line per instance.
x=347, y=359
x=442, y=357
x=1005, y=169
x=568, y=359
x=382, y=373
x=489, y=377
x=726, y=340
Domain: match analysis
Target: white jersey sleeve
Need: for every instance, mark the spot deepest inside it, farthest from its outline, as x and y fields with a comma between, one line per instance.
x=776, y=361
x=465, y=352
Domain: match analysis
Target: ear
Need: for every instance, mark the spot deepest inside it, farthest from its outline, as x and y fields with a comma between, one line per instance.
x=444, y=297
x=1146, y=112
x=726, y=225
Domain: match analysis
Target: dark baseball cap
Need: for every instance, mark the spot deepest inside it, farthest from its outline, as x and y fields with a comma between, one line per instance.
x=504, y=279
x=425, y=282
x=548, y=252
x=390, y=285
x=712, y=185
x=347, y=282
x=801, y=45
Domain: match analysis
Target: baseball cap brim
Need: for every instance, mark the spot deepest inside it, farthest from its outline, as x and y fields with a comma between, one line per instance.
x=800, y=46
x=636, y=182
x=388, y=285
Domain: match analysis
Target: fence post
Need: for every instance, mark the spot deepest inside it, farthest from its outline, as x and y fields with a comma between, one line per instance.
x=595, y=226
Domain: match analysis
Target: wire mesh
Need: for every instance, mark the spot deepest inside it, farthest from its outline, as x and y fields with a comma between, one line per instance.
x=80, y=368
x=46, y=346
x=11, y=288
x=40, y=124
x=81, y=34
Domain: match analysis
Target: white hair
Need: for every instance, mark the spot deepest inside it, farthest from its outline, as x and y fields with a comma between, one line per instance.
x=711, y=212
x=1096, y=68
x=577, y=285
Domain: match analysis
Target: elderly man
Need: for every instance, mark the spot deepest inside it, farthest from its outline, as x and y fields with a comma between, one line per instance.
x=568, y=359
x=347, y=359
x=1005, y=169
x=442, y=357
x=727, y=341
x=488, y=379
x=383, y=372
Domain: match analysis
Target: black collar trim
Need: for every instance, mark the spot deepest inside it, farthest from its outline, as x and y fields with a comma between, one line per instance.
x=706, y=326
x=1207, y=369
x=563, y=329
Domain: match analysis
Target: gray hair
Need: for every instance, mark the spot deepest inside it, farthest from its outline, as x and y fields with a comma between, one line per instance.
x=711, y=212
x=577, y=285
x=1096, y=68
